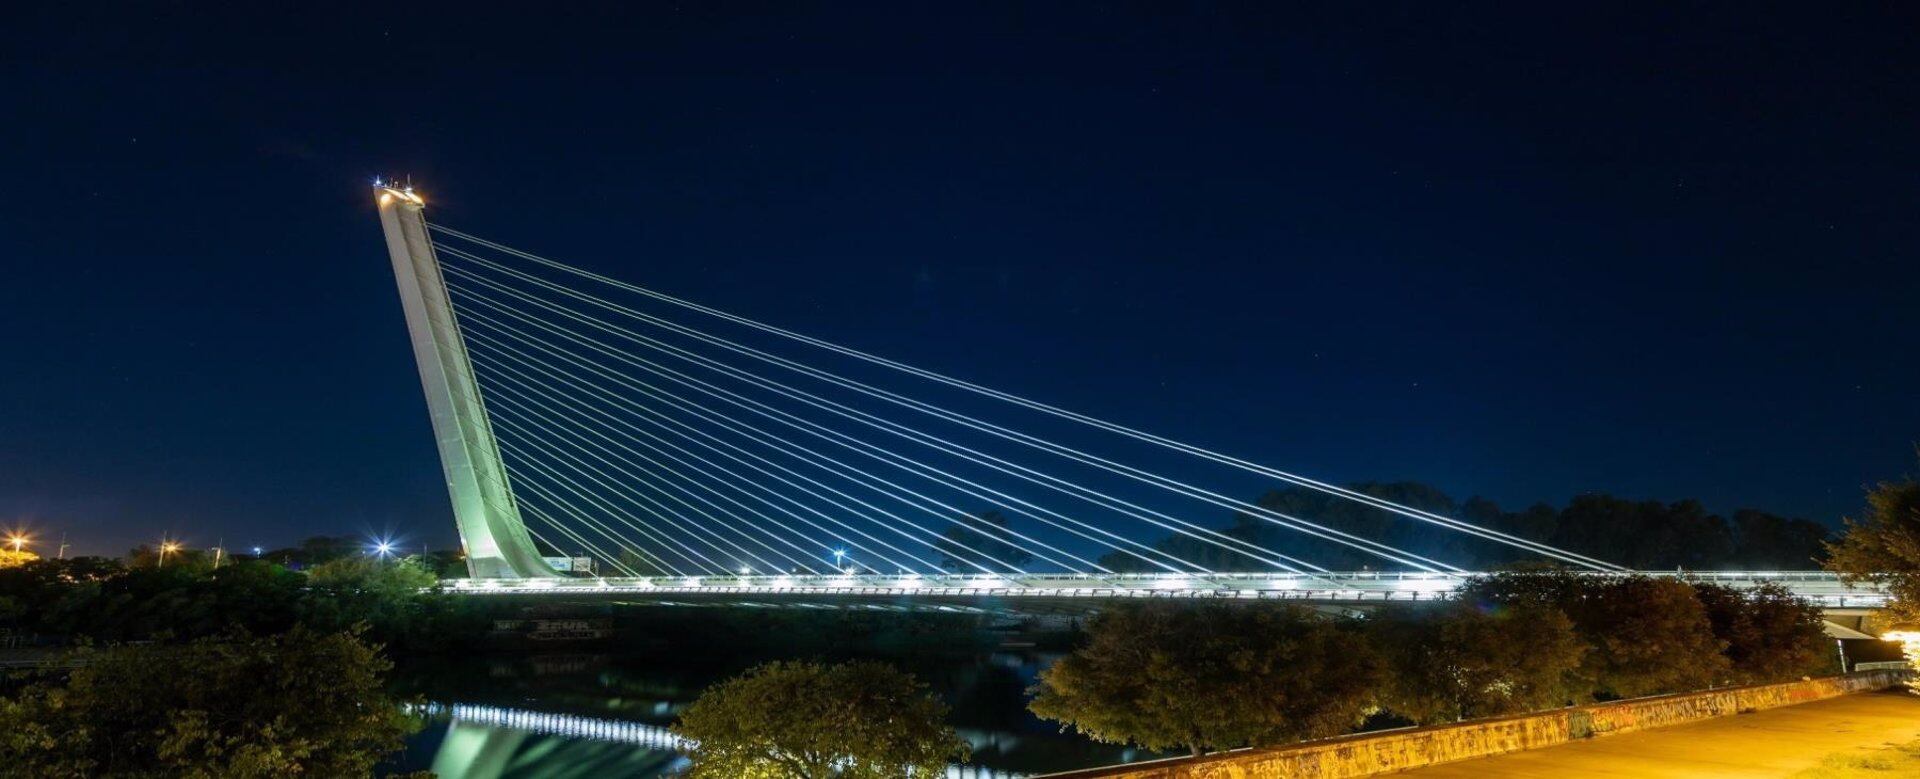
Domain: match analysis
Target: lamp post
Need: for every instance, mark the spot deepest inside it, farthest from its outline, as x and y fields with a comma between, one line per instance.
x=19, y=541
x=166, y=547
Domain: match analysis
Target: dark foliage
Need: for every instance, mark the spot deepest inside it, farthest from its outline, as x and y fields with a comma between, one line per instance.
x=301, y=703
x=1770, y=634
x=1459, y=661
x=101, y=600
x=1883, y=547
x=799, y=720
x=1645, y=635
x=1201, y=677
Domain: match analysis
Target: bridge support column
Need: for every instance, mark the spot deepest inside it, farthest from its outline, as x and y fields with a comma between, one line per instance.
x=492, y=533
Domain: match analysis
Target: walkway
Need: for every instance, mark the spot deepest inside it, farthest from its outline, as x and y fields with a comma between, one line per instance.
x=1773, y=743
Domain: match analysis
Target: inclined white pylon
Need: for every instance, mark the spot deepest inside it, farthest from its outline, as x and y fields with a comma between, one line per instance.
x=495, y=539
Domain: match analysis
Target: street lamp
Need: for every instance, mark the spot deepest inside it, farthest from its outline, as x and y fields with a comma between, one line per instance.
x=383, y=548
x=166, y=547
x=17, y=540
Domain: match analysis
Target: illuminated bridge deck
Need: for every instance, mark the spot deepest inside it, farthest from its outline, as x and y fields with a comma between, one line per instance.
x=1356, y=588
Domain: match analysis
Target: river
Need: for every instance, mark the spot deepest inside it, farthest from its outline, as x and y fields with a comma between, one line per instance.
x=602, y=712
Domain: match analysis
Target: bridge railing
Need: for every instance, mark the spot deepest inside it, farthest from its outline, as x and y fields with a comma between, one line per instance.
x=1352, y=587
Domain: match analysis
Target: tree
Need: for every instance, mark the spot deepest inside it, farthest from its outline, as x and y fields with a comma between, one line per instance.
x=12, y=559
x=395, y=599
x=302, y=703
x=1211, y=676
x=1456, y=661
x=1771, y=634
x=1646, y=635
x=963, y=548
x=1645, y=535
x=799, y=720
x=372, y=575
x=317, y=550
x=1767, y=542
x=148, y=556
x=1883, y=547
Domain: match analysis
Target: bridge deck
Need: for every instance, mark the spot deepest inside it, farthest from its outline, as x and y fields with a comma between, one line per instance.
x=1349, y=587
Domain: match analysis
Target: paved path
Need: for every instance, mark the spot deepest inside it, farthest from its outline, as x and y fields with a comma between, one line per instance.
x=1771, y=743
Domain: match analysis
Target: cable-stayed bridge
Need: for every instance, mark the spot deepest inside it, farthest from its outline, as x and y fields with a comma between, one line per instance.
x=688, y=451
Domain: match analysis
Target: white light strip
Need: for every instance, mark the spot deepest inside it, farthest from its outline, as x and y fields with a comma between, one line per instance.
x=1824, y=589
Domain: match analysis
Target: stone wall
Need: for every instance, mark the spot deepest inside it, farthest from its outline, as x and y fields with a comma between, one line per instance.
x=1371, y=754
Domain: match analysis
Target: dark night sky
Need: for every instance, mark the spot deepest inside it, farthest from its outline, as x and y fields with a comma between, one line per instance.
x=1664, y=253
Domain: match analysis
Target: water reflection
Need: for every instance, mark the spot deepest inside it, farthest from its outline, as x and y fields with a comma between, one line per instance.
x=597, y=715
x=485, y=742
x=481, y=750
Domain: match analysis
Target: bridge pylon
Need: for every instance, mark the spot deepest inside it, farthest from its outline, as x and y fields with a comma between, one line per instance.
x=492, y=533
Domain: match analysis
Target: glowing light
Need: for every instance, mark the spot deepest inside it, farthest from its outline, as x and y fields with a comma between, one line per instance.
x=17, y=540
x=1909, y=641
x=166, y=548
x=383, y=547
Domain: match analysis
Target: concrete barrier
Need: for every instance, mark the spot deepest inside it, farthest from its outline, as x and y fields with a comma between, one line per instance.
x=1371, y=754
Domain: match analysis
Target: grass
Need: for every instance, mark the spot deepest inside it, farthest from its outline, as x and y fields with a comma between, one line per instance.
x=1890, y=761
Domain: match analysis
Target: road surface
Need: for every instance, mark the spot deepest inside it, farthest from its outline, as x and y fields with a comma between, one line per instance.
x=1772, y=743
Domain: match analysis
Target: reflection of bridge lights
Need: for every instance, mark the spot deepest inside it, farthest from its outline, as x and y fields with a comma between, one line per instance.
x=617, y=731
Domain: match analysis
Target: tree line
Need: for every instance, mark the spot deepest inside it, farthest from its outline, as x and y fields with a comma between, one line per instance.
x=246, y=670
x=107, y=601
x=1206, y=676
x=1201, y=676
